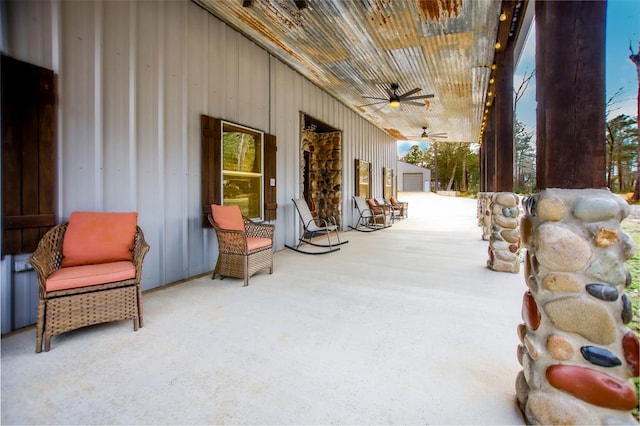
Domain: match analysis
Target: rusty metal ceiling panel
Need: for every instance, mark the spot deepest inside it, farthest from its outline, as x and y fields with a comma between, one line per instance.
x=357, y=48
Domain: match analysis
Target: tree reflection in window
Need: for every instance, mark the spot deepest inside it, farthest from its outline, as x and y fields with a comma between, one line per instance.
x=242, y=169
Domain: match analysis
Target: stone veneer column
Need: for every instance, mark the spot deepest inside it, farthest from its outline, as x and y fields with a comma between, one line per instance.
x=577, y=354
x=484, y=214
x=504, y=241
x=325, y=172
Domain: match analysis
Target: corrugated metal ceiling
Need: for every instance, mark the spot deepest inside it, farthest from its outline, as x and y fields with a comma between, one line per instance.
x=356, y=48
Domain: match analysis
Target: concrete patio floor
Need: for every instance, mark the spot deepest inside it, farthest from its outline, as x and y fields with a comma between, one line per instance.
x=401, y=326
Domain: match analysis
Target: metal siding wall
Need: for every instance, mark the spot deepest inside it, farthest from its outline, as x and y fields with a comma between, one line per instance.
x=116, y=184
x=199, y=256
x=134, y=79
x=149, y=39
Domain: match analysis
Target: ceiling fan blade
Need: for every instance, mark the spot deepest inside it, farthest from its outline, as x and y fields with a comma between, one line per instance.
x=438, y=137
x=438, y=134
x=413, y=98
x=374, y=103
x=373, y=97
x=410, y=92
x=404, y=102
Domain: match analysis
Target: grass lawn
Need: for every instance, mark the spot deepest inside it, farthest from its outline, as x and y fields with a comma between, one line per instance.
x=632, y=227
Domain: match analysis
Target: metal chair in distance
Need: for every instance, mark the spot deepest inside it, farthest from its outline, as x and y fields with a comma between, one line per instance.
x=368, y=220
x=315, y=227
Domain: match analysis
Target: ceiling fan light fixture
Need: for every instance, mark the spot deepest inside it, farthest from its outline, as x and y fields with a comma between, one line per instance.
x=394, y=103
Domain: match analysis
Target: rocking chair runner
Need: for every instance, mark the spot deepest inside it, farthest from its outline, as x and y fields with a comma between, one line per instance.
x=313, y=227
x=368, y=220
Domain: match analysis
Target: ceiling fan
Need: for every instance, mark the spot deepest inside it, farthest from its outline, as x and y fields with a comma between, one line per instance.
x=424, y=136
x=395, y=99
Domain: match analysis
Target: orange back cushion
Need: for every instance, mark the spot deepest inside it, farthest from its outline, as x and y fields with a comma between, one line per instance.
x=393, y=200
x=227, y=217
x=96, y=237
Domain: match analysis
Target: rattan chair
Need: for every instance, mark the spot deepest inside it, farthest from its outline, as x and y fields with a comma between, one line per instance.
x=244, y=246
x=64, y=310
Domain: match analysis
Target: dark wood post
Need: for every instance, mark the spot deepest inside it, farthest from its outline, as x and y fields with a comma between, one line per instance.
x=504, y=121
x=483, y=167
x=570, y=42
x=490, y=154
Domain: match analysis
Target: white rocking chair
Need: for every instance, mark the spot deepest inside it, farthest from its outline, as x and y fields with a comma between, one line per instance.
x=314, y=227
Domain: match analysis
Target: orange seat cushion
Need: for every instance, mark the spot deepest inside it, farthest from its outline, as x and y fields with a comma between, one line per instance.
x=88, y=275
x=375, y=208
x=227, y=217
x=97, y=237
x=256, y=243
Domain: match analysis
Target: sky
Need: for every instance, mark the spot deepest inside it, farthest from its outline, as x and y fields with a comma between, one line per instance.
x=623, y=26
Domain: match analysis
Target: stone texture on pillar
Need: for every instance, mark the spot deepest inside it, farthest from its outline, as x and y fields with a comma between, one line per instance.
x=504, y=242
x=484, y=214
x=325, y=172
x=577, y=354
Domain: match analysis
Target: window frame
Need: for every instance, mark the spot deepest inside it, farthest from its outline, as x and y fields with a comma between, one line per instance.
x=230, y=127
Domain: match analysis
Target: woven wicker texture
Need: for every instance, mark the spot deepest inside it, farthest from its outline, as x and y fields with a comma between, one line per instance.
x=65, y=310
x=234, y=258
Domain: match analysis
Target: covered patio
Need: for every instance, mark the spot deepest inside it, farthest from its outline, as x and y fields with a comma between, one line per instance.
x=402, y=326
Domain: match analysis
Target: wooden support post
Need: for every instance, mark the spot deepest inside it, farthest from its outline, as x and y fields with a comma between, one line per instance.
x=570, y=67
x=504, y=121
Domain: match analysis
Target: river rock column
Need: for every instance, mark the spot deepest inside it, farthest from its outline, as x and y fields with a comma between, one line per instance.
x=577, y=354
x=484, y=214
x=504, y=241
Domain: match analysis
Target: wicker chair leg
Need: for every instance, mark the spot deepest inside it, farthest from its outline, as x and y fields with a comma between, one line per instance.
x=246, y=271
x=140, y=321
x=40, y=326
x=136, y=323
x=47, y=342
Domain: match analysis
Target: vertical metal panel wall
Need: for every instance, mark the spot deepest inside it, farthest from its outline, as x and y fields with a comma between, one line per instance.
x=133, y=79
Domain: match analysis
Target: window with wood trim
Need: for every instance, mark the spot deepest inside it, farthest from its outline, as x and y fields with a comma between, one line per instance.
x=363, y=178
x=238, y=167
x=28, y=154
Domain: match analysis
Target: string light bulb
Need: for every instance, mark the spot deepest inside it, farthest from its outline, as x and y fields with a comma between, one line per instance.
x=503, y=17
x=498, y=45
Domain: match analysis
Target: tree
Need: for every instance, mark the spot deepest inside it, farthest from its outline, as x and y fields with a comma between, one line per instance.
x=635, y=58
x=525, y=158
x=622, y=142
x=524, y=144
x=415, y=156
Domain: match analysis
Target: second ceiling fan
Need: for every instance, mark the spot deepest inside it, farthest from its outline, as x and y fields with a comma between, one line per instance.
x=395, y=99
x=424, y=136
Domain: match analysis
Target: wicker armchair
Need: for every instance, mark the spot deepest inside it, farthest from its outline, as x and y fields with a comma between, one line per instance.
x=244, y=246
x=67, y=309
